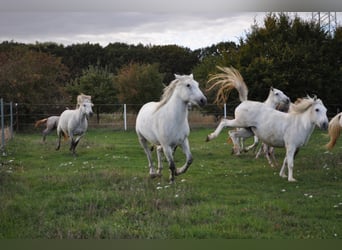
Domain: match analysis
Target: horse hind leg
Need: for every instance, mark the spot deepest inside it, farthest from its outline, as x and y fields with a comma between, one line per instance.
x=224, y=123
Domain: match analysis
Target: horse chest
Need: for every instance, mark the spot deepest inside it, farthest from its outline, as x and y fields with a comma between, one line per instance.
x=78, y=128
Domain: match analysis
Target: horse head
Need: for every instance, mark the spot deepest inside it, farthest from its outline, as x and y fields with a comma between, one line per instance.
x=319, y=114
x=278, y=97
x=86, y=108
x=189, y=90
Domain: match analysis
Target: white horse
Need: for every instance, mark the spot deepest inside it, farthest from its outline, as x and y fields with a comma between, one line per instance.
x=165, y=123
x=334, y=130
x=74, y=124
x=278, y=129
x=51, y=124
x=231, y=78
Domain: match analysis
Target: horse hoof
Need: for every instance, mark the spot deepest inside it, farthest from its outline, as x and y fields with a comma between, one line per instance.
x=292, y=180
x=154, y=175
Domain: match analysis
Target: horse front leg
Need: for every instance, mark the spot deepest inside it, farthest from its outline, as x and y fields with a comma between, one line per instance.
x=282, y=170
x=143, y=143
x=189, y=159
x=168, y=151
x=59, y=134
x=73, y=144
x=289, y=161
x=255, y=143
x=160, y=160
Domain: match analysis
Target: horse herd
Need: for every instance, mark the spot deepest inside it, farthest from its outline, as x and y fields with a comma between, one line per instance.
x=276, y=122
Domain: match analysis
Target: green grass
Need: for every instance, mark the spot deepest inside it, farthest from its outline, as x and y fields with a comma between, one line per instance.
x=105, y=192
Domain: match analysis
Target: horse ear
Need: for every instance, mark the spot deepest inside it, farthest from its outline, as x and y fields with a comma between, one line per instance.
x=192, y=76
x=271, y=88
x=177, y=76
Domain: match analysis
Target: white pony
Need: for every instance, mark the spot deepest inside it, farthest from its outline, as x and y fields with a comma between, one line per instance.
x=231, y=78
x=165, y=123
x=334, y=130
x=73, y=124
x=278, y=129
x=51, y=124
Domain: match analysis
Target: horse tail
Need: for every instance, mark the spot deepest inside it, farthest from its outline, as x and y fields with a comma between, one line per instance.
x=334, y=131
x=228, y=80
x=42, y=121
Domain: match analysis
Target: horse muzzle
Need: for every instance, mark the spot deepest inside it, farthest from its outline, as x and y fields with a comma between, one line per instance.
x=324, y=126
x=202, y=102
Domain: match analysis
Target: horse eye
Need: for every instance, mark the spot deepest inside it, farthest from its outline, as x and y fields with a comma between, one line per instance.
x=317, y=110
x=276, y=93
x=188, y=85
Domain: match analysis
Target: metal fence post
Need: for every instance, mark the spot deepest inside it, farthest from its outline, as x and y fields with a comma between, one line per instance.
x=2, y=125
x=125, y=117
x=225, y=110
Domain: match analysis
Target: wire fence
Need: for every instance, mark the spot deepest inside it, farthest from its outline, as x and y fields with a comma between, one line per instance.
x=6, y=120
x=122, y=116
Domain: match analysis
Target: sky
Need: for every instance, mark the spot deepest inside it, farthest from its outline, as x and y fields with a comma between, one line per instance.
x=189, y=23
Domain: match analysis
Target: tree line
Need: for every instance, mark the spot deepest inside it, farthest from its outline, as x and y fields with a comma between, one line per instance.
x=294, y=55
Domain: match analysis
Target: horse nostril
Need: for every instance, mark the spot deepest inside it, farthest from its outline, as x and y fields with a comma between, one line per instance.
x=203, y=101
x=325, y=126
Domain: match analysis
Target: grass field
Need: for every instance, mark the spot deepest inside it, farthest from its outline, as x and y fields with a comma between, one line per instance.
x=105, y=192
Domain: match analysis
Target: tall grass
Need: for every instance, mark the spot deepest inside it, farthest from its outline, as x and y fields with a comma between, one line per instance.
x=105, y=192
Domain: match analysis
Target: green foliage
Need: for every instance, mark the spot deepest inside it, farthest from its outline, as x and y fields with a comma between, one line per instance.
x=97, y=82
x=28, y=77
x=139, y=83
x=105, y=192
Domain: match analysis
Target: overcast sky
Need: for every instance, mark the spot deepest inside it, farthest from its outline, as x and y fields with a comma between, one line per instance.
x=189, y=23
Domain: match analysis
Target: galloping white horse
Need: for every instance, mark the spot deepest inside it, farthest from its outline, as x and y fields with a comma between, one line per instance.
x=230, y=79
x=73, y=124
x=165, y=123
x=334, y=130
x=278, y=129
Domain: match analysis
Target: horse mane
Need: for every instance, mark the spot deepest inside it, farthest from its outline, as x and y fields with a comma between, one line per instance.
x=334, y=131
x=303, y=104
x=229, y=79
x=167, y=93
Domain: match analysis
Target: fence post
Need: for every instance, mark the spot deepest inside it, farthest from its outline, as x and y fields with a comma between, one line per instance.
x=225, y=111
x=11, y=121
x=125, y=117
x=2, y=125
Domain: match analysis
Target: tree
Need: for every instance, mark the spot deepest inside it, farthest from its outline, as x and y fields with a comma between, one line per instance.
x=29, y=78
x=139, y=83
x=97, y=82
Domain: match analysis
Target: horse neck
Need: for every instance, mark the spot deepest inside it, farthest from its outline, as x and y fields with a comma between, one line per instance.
x=80, y=115
x=304, y=124
x=269, y=102
x=176, y=109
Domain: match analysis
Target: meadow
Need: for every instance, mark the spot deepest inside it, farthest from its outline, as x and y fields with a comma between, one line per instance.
x=105, y=192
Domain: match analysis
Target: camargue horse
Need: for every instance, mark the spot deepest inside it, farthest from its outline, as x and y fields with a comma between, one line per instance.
x=51, y=124
x=73, y=124
x=334, y=130
x=278, y=129
x=230, y=79
x=165, y=123
x=81, y=98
